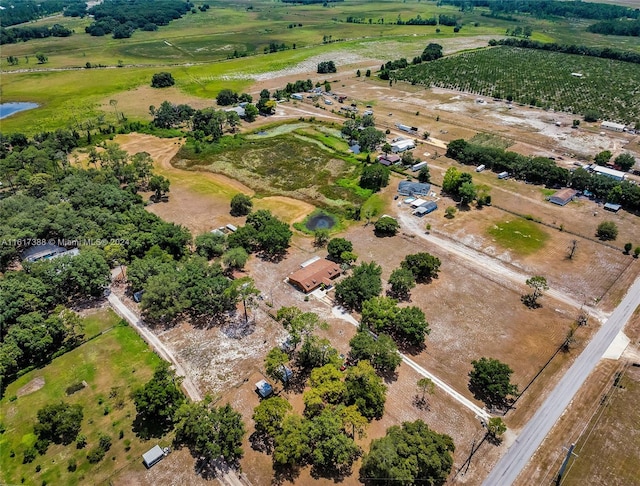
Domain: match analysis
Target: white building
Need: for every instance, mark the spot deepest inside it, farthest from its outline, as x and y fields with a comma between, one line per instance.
x=402, y=145
x=606, y=171
x=616, y=127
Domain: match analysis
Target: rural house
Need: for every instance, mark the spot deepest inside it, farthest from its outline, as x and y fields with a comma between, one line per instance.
x=388, y=159
x=314, y=274
x=563, y=196
x=409, y=188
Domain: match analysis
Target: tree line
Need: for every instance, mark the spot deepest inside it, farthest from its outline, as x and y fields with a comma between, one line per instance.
x=541, y=170
x=602, y=52
x=23, y=34
x=548, y=8
x=28, y=10
x=432, y=52
x=616, y=27
x=123, y=17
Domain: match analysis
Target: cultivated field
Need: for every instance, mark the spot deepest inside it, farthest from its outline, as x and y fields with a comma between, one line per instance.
x=112, y=365
x=539, y=78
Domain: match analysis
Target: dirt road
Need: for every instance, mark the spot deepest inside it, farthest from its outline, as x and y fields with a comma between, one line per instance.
x=342, y=314
x=489, y=265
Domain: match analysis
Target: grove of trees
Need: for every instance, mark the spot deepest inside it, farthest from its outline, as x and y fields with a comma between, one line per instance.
x=162, y=80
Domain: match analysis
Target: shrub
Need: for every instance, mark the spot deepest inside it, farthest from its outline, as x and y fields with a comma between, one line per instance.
x=29, y=455
x=607, y=230
x=162, y=80
x=81, y=441
x=95, y=455
x=72, y=465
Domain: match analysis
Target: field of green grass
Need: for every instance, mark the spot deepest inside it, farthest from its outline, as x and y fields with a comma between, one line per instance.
x=301, y=160
x=519, y=235
x=112, y=365
x=539, y=78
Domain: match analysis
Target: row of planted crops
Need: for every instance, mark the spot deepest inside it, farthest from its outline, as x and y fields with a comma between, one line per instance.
x=540, y=78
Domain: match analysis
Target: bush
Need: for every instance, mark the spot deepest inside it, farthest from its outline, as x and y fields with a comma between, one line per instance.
x=81, y=441
x=72, y=465
x=29, y=455
x=607, y=230
x=591, y=116
x=71, y=389
x=162, y=80
x=95, y=455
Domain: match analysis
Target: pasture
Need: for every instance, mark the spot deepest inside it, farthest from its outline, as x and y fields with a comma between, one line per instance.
x=518, y=235
x=538, y=78
x=308, y=163
x=112, y=365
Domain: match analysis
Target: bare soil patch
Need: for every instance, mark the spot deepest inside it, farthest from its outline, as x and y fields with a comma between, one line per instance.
x=33, y=385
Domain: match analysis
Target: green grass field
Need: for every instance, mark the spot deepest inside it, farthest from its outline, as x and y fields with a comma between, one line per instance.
x=112, y=364
x=519, y=235
x=539, y=78
x=301, y=160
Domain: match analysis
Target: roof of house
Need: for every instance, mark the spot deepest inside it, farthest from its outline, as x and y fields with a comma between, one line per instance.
x=409, y=188
x=238, y=109
x=388, y=159
x=404, y=143
x=418, y=202
x=313, y=275
x=563, y=196
x=153, y=455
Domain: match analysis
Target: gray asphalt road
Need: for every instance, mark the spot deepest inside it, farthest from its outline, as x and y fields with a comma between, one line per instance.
x=506, y=471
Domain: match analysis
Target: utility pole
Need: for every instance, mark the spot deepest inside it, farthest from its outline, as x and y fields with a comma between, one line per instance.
x=565, y=462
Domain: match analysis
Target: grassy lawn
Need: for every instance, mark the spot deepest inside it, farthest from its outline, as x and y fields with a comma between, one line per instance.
x=112, y=365
x=519, y=235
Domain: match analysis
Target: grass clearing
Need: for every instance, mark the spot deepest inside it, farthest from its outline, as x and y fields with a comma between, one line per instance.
x=112, y=365
x=519, y=235
x=305, y=164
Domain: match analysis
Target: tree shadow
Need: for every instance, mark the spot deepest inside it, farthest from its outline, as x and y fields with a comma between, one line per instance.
x=237, y=328
x=284, y=474
x=148, y=429
x=337, y=474
x=389, y=376
x=261, y=442
x=421, y=403
x=411, y=348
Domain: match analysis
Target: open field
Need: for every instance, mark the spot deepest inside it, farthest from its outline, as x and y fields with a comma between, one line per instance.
x=602, y=422
x=539, y=78
x=112, y=365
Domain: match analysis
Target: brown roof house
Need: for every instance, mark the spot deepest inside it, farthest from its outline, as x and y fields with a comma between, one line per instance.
x=563, y=196
x=314, y=273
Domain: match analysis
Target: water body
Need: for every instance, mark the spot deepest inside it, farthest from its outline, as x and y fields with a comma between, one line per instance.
x=320, y=221
x=8, y=109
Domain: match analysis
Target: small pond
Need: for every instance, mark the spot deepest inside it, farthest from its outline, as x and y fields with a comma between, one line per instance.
x=8, y=109
x=320, y=221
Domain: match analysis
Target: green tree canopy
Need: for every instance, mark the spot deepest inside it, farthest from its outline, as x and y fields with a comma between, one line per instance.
x=607, y=230
x=401, y=281
x=337, y=246
x=386, y=226
x=269, y=415
x=362, y=285
x=490, y=381
x=423, y=266
x=210, y=432
x=241, y=205
x=381, y=353
x=409, y=453
x=625, y=161
x=162, y=80
x=157, y=402
x=365, y=390
x=374, y=177
x=59, y=423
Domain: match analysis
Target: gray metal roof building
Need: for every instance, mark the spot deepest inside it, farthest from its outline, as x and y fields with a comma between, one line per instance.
x=409, y=188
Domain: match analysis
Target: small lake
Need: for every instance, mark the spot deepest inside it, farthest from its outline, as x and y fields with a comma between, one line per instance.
x=8, y=109
x=320, y=221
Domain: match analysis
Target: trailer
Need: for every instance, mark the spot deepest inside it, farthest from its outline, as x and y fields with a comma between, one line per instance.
x=503, y=175
x=418, y=166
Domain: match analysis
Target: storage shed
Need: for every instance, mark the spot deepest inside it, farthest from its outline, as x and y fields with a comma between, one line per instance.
x=426, y=209
x=563, y=196
x=264, y=388
x=612, y=207
x=152, y=456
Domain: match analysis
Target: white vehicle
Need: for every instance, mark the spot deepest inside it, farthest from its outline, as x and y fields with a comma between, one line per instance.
x=480, y=168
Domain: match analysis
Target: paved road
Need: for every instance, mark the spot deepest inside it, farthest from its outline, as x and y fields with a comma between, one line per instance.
x=480, y=412
x=506, y=471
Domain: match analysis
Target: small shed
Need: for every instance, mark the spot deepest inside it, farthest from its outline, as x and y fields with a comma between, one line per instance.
x=563, y=196
x=389, y=159
x=231, y=228
x=612, y=207
x=152, y=456
x=418, y=202
x=264, y=389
